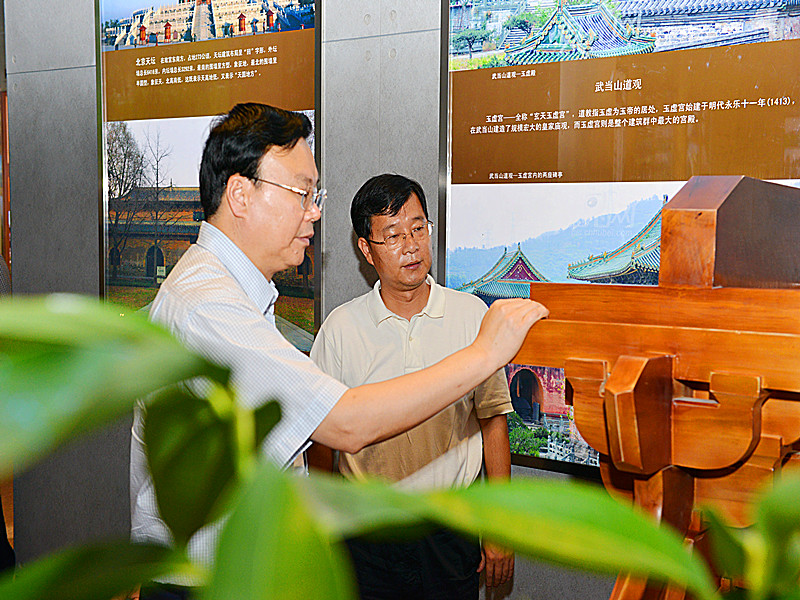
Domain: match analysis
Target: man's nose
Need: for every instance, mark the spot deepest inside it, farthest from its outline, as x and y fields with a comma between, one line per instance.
x=313, y=213
x=410, y=244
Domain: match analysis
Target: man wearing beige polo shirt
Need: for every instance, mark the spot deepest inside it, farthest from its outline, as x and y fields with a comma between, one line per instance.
x=406, y=323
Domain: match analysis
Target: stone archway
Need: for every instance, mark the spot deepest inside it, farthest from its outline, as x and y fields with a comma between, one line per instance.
x=153, y=259
x=526, y=395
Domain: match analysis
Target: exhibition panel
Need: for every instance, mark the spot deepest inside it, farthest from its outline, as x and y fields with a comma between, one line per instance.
x=571, y=125
x=167, y=71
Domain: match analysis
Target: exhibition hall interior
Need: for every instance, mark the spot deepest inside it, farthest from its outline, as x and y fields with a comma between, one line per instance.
x=375, y=299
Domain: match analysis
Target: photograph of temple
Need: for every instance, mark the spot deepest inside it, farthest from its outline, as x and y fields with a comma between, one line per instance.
x=148, y=229
x=198, y=20
x=685, y=24
x=635, y=262
x=601, y=216
x=541, y=424
x=527, y=237
x=508, y=278
x=579, y=31
x=153, y=215
x=496, y=34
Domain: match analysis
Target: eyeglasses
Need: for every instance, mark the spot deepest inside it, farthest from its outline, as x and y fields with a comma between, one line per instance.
x=318, y=197
x=420, y=233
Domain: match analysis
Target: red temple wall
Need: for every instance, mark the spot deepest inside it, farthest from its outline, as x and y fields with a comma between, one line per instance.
x=552, y=381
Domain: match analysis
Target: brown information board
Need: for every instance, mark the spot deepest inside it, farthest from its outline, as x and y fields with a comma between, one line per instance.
x=206, y=78
x=652, y=117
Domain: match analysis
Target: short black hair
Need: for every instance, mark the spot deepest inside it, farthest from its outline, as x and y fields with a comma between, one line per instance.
x=237, y=142
x=382, y=195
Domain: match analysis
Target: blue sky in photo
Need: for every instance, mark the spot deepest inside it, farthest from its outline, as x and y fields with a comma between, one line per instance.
x=185, y=137
x=120, y=9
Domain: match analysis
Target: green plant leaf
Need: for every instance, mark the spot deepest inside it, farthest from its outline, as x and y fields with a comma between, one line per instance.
x=730, y=555
x=271, y=548
x=51, y=394
x=190, y=451
x=575, y=524
x=344, y=509
x=736, y=594
x=791, y=594
x=778, y=510
x=69, y=364
x=266, y=416
x=778, y=521
x=96, y=572
x=566, y=524
x=196, y=455
x=72, y=320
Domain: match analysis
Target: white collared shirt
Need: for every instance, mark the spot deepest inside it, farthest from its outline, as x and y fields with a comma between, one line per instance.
x=362, y=342
x=219, y=304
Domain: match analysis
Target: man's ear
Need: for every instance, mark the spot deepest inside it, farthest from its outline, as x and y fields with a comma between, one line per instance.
x=237, y=194
x=363, y=245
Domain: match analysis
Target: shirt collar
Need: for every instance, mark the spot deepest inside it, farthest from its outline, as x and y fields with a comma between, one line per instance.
x=378, y=312
x=258, y=288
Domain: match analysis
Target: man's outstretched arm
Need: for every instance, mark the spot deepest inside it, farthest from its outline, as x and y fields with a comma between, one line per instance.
x=377, y=411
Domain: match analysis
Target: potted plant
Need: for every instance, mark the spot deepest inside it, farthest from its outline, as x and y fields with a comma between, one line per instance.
x=69, y=364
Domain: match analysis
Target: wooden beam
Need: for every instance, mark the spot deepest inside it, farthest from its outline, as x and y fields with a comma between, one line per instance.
x=763, y=310
x=697, y=352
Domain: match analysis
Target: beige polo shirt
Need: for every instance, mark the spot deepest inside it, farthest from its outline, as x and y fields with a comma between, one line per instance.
x=364, y=342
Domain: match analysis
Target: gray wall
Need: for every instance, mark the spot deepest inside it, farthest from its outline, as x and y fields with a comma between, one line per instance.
x=52, y=104
x=381, y=84
x=380, y=111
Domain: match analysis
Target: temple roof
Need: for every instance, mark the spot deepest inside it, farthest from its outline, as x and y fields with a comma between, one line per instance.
x=642, y=253
x=579, y=31
x=745, y=37
x=508, y=278
x=165, y=194
x=504, y=289
x=645, y=8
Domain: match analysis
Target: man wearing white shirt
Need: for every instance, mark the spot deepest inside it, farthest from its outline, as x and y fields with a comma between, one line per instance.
x=407, y=323
x=258, y=188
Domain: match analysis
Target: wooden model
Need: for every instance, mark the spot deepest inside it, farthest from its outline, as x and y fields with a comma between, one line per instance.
x=689, y=390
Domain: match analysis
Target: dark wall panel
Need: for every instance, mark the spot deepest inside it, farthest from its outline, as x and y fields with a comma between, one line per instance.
x=82, y=492
x=54, y=181
x=77, y=495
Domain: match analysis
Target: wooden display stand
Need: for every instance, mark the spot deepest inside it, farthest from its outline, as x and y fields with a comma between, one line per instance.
x=689, y=390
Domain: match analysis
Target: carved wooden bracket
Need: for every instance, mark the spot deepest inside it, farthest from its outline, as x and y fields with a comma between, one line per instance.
x=690, y=391
x=733, y=408
x=586, y=381
x=637, y=401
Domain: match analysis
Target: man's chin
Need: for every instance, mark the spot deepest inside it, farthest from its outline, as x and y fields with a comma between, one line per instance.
x=412, y=283
x=295, y=260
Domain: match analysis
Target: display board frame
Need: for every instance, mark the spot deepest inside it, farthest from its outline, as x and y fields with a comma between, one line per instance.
x=5, y=207
x=526, y=125
x=164, y=74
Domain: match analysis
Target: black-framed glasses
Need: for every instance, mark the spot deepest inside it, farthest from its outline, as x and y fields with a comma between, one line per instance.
x=318, y=197
x=420, y=233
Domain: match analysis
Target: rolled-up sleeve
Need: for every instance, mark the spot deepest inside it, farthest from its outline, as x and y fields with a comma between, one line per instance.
x=492, y=397
x=265, y=366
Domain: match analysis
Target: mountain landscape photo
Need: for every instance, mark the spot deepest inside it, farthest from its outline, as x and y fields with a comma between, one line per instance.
x=552, y=251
